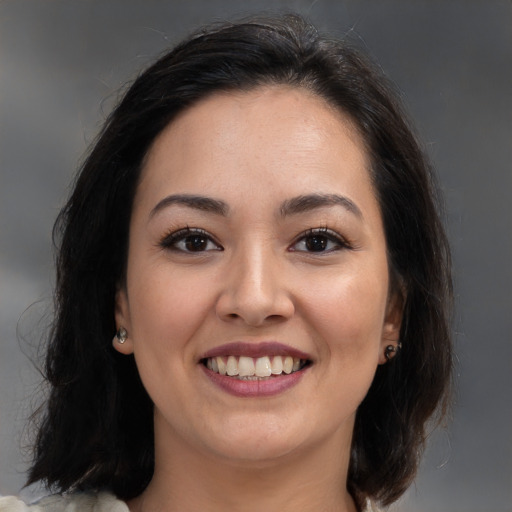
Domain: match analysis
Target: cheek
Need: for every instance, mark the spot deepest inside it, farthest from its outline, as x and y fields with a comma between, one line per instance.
x=167, y=302
x=166, y=310
x=349, y=314
x=165, y=314
x=343, y=315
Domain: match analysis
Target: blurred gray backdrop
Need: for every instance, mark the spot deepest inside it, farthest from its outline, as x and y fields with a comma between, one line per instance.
x=61, y=63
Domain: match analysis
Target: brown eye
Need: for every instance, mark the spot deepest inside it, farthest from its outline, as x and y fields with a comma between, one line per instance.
x=190, y=240
x=316, y=243
x=195, y=243
x=319, y=240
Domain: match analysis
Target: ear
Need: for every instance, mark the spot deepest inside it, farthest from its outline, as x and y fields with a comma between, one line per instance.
x=392, y=322
x=123, y=319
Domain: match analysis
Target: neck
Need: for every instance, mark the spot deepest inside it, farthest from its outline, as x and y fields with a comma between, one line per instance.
x=186, y=480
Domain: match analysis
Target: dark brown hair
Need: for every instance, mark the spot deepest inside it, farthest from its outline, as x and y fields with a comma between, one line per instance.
x=97, y=432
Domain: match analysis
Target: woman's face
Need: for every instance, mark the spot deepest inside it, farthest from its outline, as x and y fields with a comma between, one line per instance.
x=256, y=298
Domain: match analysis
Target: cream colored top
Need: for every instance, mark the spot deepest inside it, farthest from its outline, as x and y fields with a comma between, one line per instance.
x=78, y=502
x=81, y=502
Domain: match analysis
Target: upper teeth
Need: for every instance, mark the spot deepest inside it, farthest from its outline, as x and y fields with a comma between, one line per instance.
x=243, y=366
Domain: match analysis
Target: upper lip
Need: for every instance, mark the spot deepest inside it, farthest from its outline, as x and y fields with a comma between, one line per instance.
x=266, y=348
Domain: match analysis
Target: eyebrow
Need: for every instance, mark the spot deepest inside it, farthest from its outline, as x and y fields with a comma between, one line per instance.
x=202, y=203
x=293, y=206
x=306, y=203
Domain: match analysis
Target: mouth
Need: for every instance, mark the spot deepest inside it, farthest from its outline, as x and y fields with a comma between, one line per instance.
x=255, y=369
x=252, y=368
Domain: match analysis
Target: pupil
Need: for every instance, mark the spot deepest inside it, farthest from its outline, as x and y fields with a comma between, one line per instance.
x=196, y=243
x=316, y=243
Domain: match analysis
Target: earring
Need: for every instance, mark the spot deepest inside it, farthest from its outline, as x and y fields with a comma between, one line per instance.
x=391, y=351
x=121, y=335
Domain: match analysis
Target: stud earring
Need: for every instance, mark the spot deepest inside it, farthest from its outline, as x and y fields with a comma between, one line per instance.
x=121, y=335
x=391, y=351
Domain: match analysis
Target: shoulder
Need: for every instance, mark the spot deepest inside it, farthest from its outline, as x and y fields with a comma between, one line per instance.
x=76, y=502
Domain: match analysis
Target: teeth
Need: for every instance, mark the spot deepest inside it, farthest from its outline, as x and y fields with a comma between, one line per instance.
x=288, y=364
x=245, y=366
x=232, y=366
x=277, y=365
x=263, y=368
x=221, y=365
x=248, y=368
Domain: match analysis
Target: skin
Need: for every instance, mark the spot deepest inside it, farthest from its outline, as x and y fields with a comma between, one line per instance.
x=256, y=280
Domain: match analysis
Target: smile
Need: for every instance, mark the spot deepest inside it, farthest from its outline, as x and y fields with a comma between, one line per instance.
x=250, y=368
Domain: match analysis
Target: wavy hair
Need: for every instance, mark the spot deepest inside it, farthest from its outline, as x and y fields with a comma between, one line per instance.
x=97, y=430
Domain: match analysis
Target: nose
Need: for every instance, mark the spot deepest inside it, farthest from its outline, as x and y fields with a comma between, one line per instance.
x=255, y=290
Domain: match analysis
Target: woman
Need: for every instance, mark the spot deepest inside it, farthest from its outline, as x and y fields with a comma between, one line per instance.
x=256, y=228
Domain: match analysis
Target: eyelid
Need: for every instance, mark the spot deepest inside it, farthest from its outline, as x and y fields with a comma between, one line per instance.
x=330, y=234
x=169, y=240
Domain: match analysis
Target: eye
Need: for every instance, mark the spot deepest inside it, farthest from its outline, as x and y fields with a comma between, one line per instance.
x=319, y=240
x=190, y=240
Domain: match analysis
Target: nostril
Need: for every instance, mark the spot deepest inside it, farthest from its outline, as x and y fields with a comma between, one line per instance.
x=253, y=305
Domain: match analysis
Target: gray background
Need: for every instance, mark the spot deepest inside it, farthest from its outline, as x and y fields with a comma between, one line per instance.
x=61, y=63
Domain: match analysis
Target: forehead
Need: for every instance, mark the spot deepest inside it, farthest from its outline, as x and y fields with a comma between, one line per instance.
x=282, y=134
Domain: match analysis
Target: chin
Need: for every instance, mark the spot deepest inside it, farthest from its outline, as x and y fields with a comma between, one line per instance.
x=257, y=440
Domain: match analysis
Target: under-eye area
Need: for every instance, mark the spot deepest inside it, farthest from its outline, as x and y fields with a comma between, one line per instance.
x=254, y=368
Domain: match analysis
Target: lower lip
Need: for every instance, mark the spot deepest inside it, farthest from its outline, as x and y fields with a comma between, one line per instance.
x=254, y=388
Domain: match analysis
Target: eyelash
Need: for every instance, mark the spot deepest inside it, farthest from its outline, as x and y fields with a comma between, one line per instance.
x=328, y=235
x=171, y=240
x=323, y=236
